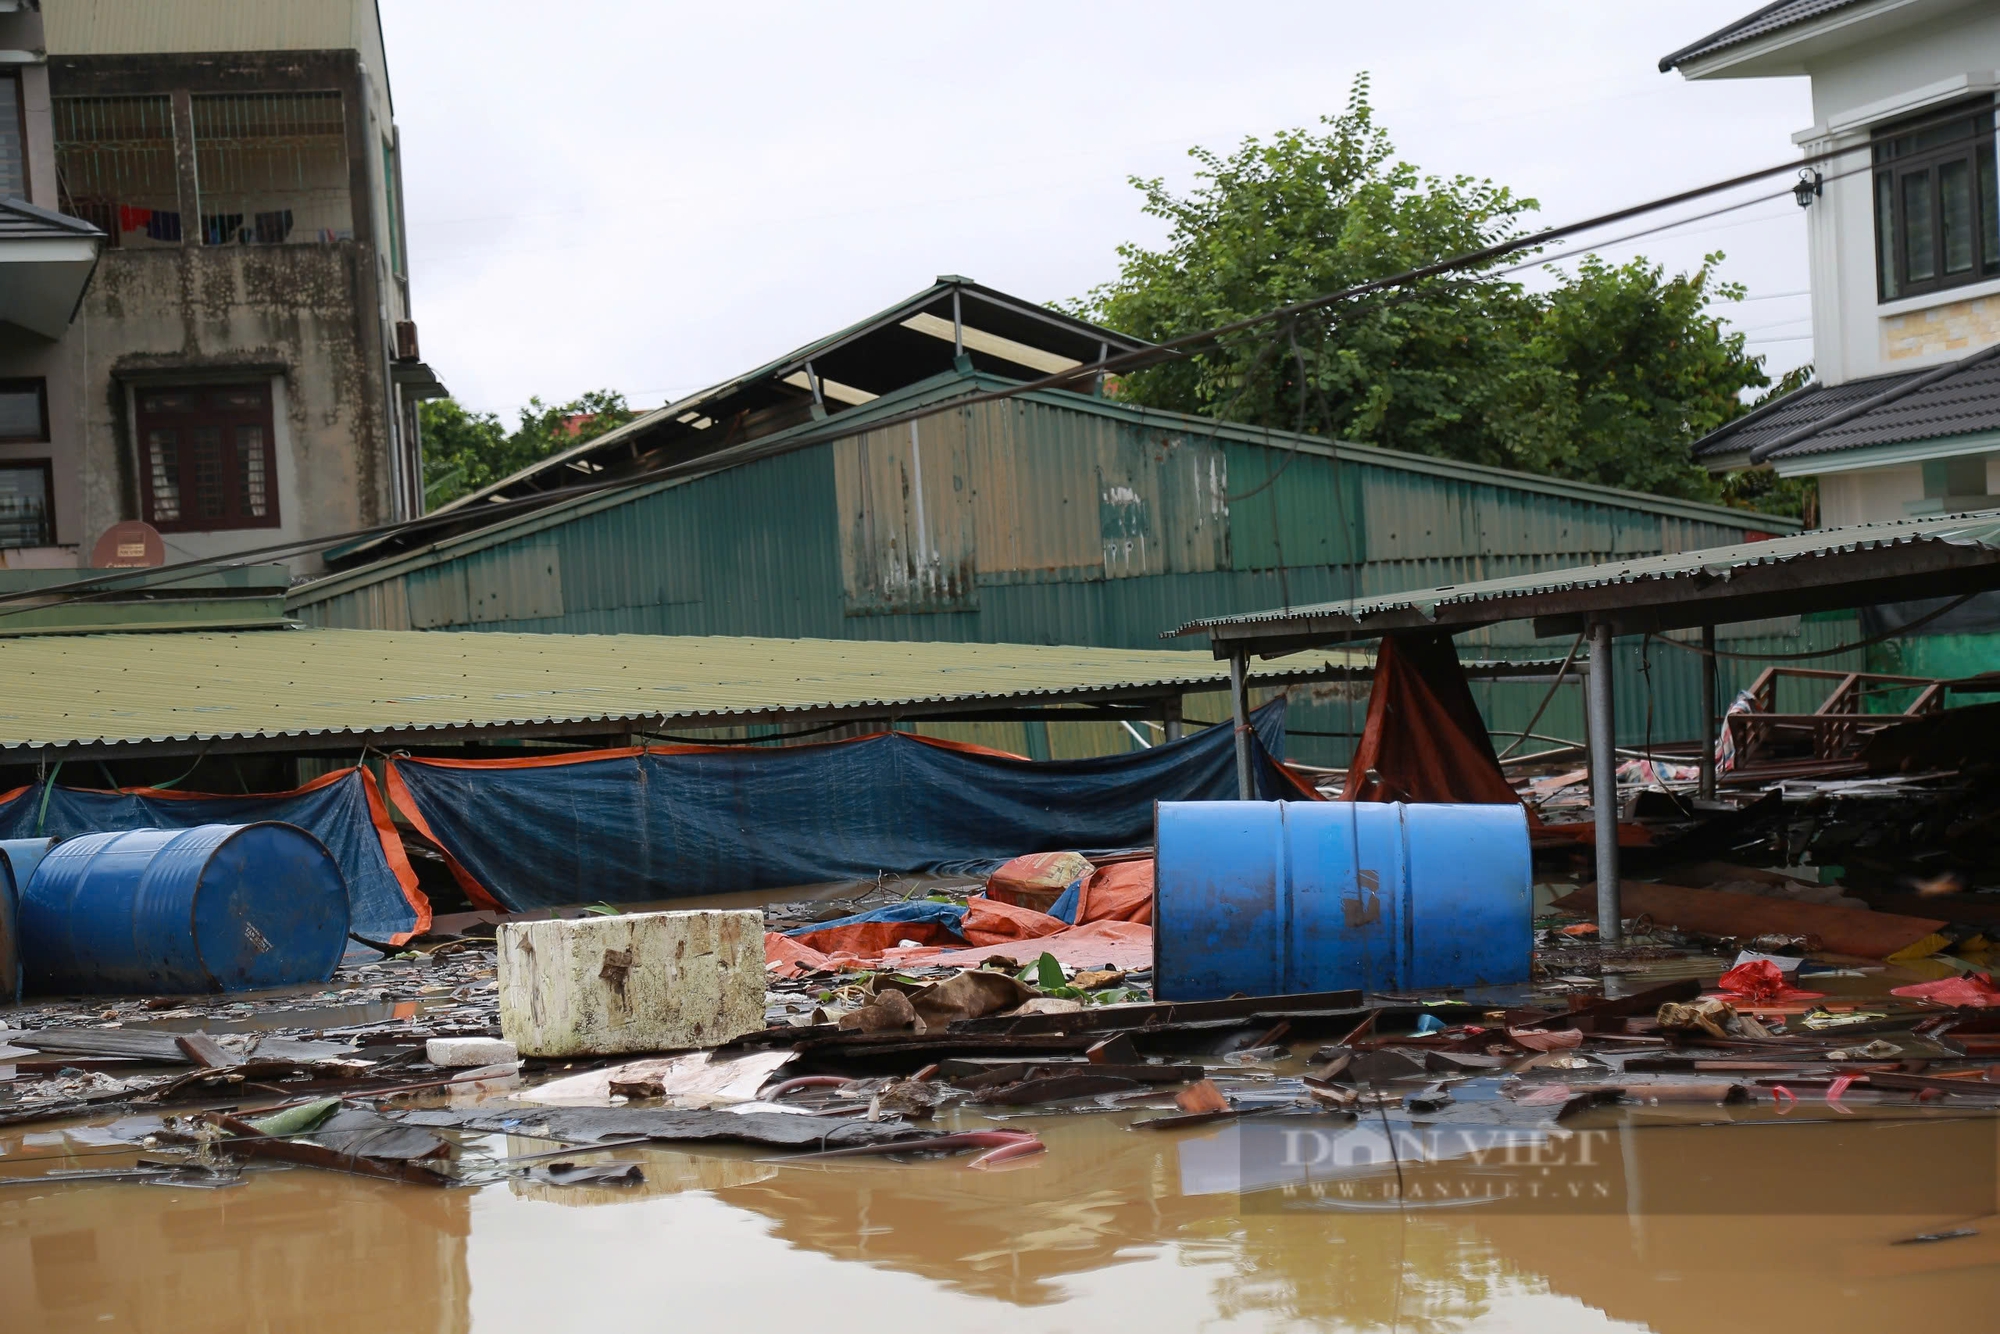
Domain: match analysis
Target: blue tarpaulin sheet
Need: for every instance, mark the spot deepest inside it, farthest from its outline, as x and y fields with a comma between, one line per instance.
x=635, y=826
x=342, y=810
x=950, y=916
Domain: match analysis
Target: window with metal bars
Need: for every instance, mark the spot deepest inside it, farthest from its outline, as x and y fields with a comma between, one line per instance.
x=1937, y=204
x=207, y=458
x=272, y=167
x=115, y=167
x=13, y=140
x=27, y=509
x=24, y=410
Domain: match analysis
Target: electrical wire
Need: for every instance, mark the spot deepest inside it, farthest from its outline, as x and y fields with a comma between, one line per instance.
x=1886, y=635
x=1540, y=709
x=1475, y=260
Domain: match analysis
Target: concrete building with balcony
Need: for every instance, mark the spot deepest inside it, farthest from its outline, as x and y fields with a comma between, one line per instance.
x=1902, y=197
x=239, y=365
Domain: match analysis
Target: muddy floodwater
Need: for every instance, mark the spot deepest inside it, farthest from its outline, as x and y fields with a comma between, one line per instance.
x=1680, y=1219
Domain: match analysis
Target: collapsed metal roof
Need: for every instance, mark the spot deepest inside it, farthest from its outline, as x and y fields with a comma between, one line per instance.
x=1823, y=570
x=914, y=340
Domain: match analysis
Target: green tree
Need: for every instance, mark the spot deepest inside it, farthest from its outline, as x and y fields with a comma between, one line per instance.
x=1606, y=378
x=1761, y=489
x=465, y=450
x=1436, y=370
x=1645, y=371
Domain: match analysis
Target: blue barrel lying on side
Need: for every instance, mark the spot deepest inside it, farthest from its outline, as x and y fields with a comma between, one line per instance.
x=176, y=911
x=1273, y=898
x=18, y=859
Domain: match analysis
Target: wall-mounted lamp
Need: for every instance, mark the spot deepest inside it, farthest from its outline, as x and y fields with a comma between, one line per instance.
x=1811, y=185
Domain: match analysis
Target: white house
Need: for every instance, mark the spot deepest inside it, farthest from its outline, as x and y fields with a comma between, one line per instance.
x=1903, y=224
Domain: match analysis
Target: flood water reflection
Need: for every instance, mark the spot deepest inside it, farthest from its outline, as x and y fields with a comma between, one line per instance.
x=1749, y=1225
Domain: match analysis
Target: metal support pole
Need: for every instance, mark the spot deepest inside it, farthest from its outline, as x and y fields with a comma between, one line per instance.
x=1604, y=780
x=1708, y=721
x=1239, y=699
x=1170, y=713
x=819, y=399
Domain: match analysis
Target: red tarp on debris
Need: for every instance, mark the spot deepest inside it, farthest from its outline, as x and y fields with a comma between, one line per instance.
x=1974, y=989
x=1120, y=892
x=1036, y=880
x=1424, y=739
x=788, y=958
x=1114, y=927
x=991, y=922
x=1124, y=945
x=866, y=939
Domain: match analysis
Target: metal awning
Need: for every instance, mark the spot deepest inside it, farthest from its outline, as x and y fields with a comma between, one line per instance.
x=1828, y=569
x=46, y=260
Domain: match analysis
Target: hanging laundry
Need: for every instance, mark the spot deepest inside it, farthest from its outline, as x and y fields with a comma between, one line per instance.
x=220, y=228
x=163, y=224
x=272, y=228
x=132, y=219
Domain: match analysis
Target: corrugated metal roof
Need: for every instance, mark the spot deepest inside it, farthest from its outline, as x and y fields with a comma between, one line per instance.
x=1488, y=601
x=1404, y=532
x=129, y=690
x=1965, y=401
x=1769, y=19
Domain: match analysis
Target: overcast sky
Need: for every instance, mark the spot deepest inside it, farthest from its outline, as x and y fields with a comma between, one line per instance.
x=651, y=197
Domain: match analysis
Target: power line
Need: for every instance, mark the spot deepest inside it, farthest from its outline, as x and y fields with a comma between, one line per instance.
x=1123, y=362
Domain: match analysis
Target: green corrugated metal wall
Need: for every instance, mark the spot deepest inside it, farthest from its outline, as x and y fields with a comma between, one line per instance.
x=1081, y=524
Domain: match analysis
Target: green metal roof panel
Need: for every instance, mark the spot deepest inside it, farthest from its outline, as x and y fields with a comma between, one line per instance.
x=1402, y=497
x=1982, y=530
x=133, y=689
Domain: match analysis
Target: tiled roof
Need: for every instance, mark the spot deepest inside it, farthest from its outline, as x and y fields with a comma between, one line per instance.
x=1964, y=401
x=1766, y=20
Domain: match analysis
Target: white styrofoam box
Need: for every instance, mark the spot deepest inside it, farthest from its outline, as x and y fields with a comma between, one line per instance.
x=469, y=1053
x=660, y=981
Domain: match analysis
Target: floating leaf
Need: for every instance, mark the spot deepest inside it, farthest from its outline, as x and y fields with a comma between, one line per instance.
x=1049, y=974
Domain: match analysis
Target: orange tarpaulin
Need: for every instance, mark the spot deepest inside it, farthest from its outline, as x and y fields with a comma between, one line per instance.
x=1113, y=925
x=1424, y=739
x=1120, y=892
x=1122, y=945
x=991, y=922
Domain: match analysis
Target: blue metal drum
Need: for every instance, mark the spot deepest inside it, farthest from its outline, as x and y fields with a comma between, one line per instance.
x=18, y=859
x=213, y=908
x=1272, y=898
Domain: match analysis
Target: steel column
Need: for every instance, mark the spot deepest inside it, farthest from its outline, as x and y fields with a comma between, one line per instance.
x=1603, y=732
x=1239, y=700
x=1708, y=720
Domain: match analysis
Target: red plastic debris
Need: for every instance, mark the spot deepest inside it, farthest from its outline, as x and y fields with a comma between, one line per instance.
x=1971, y=989
x=1762, y=980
